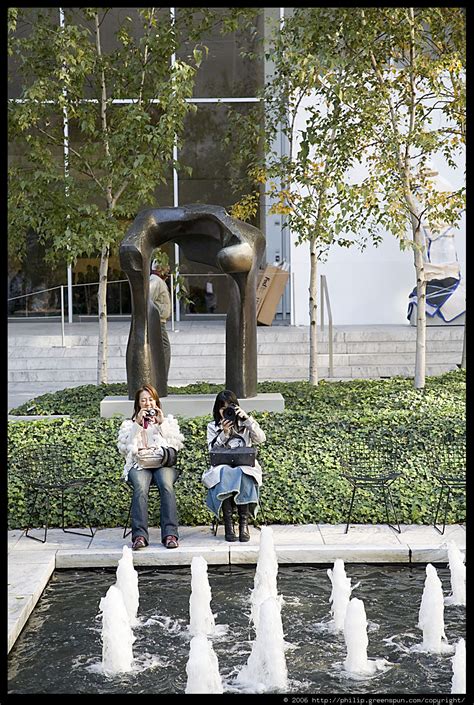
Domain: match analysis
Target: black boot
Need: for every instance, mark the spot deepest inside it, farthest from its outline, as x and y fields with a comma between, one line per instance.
x=244, y=534
x=228, y=523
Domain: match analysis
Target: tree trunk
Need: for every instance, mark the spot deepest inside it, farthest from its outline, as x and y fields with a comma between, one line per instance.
x=463, y=359
x=420, y=356
x=313, y=310
x=102, y=351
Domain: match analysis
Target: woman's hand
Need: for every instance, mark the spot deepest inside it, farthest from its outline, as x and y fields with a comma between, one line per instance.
x=226, y=426
x=158, y=418
x=241, y=414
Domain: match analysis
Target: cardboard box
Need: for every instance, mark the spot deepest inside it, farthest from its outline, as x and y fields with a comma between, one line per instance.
x=269, y=292
x=263, y=284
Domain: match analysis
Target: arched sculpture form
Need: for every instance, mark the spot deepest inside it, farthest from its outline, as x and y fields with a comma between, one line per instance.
x=209, y=235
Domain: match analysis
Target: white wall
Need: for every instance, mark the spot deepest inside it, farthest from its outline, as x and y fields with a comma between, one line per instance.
x=371, y=287
x=368, y=287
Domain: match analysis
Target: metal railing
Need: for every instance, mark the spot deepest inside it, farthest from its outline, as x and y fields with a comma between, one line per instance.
x=29, y=312
x=42, y=291
x=325, y=296
x=174, y=294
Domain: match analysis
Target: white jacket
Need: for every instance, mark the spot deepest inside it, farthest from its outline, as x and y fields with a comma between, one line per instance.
x=251, y=433
x=165, y=435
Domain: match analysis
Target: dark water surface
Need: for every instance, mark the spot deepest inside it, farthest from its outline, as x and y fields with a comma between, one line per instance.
x=60, y=650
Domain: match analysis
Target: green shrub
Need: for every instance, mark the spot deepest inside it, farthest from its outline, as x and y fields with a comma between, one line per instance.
x=303, y=480
x=361, y=396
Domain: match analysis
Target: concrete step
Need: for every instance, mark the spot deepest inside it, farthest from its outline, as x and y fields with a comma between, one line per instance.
x=265, y=348
x=277, y=334
x=200, y=359
x=198, y=354
x=181, y=376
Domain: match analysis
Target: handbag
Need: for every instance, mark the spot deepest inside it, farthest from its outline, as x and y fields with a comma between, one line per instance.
x=155, y=457
x=242, y=455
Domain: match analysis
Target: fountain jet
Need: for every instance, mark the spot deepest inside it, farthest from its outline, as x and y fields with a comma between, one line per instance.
x=431, y=614
x=127, y=583
x=458, y=684
x=117, y=636
x=266, y=666
x=202, y=667
x=265, y=579
x=458, y=576
x=201, y=619
x=341, y=593
x=355, y=636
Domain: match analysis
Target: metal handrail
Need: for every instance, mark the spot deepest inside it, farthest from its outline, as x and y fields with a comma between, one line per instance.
x=174, y=290
x=325, y=295
x=33, y=293
x=41, y=291
x=62, y=287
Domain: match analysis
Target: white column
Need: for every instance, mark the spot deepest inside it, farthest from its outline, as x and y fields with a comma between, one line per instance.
x=66, y=171
x=175, y=186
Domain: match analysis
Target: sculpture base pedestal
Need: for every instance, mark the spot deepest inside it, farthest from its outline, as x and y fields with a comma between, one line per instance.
x=190, y=405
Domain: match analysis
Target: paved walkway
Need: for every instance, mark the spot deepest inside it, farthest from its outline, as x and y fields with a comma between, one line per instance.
x=31, y=563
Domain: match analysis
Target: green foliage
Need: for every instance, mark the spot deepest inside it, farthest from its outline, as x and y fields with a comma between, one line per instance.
x=364, y=97
x=303, y=480
x=119, y=152
x=445, y=392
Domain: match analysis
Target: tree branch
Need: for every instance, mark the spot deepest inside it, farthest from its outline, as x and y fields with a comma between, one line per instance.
x=89, y=171
x=412, y=89
x=145, y=56
x=103, y=105
x=390, y=105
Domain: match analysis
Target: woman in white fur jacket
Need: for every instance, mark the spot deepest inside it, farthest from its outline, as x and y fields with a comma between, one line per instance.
x=162, y=433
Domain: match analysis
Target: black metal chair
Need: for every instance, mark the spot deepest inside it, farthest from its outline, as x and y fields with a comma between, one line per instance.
x=366, y=466
x=47, y=471
x=155, y=492
x=448, y=467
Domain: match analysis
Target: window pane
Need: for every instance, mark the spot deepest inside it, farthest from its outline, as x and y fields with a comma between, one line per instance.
x=224, y=72
x=216, y=175
x=216, y=163
x=26, y=20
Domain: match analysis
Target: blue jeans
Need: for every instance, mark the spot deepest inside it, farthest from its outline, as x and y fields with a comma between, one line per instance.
x=164, y=479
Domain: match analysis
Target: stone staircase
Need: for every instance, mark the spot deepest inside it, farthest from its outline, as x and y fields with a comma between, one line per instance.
x=198, y=354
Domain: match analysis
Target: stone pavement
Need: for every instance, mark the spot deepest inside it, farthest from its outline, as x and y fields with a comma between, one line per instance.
x=31, y=563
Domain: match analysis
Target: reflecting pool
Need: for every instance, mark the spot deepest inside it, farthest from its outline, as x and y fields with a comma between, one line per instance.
x=60, y=649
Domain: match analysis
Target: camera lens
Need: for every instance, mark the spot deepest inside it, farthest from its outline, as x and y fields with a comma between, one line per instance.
x=229, y=413
x=151, y=412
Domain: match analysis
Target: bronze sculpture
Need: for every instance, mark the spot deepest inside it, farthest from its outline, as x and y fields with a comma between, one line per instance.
x=209, y=235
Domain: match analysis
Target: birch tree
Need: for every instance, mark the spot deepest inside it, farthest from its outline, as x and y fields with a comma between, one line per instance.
x=384, y=89
x=125, y=108
x=310, y=184
x=411, y=68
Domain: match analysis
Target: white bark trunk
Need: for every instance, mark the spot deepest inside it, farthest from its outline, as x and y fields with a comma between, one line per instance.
x=313, y=310
x=102, y=351
x=463, y=359
x=420, y=359
x=420, y=355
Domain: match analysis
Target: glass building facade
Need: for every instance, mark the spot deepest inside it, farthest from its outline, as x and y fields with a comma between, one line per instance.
x=227, y=80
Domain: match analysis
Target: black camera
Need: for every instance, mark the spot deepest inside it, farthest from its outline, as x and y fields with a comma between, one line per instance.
x=230, y=413
x=151, y=413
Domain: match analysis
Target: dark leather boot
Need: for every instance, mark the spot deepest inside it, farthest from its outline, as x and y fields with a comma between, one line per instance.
x=228, y=523
x=244, y=533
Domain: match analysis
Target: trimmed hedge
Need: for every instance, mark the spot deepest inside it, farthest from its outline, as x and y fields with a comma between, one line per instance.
x=355, y=396
x=303, y=480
